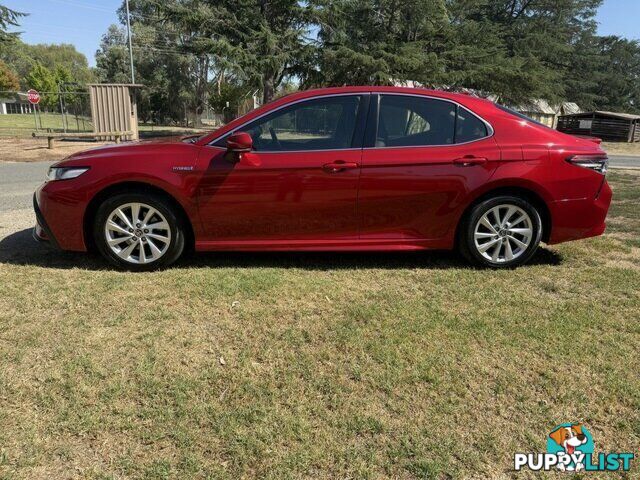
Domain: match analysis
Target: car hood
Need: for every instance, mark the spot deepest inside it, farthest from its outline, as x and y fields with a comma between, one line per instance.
x=138, y=148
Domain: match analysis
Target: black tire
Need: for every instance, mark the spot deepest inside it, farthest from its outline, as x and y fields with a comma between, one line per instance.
x=171, y=250
x=470, y=249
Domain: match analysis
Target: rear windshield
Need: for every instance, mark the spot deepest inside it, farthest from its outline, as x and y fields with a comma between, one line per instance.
x=520, y=115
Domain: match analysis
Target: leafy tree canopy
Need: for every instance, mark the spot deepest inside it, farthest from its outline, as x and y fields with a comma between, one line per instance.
x=193, y=54
x=23, y=58
x=8, y=79
x=8, y=18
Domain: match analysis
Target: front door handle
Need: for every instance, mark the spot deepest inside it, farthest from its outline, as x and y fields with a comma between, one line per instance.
x=470, y=160
x=339, y=166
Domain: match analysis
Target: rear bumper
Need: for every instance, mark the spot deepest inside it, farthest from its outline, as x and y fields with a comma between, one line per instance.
x=581, y=218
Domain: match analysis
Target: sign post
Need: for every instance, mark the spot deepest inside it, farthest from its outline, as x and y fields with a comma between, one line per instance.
x=34, y=99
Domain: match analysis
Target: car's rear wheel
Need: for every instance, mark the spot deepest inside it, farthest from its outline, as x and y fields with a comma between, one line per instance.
x=138, y=232
x=501, y=232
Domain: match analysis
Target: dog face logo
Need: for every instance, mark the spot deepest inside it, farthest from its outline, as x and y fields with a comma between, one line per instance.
x=569, y=438
x=570, y=441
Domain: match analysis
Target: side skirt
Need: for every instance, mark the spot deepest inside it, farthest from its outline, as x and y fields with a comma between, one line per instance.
x=324, y=246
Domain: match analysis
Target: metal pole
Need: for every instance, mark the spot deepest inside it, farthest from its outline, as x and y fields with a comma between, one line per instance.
x=133, y=76
x=61, y=108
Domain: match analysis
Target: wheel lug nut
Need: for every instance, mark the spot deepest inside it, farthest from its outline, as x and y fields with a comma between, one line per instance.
x=138, y=225
x=146, y=230
x=131, y=230
x=144, y=239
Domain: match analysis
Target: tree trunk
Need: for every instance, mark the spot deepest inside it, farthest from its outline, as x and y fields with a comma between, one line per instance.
x=268, y=89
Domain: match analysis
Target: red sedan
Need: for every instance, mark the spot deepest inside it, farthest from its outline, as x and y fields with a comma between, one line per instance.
x=342, y=169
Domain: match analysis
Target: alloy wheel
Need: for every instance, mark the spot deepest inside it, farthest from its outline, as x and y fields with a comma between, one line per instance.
x=137, y=233
x=503, y=233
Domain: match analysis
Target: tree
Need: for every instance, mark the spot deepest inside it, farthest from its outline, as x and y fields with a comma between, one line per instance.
x=191, y=54
x=605, y=74
x=517, y=49
x=49, y=82
x=377, y=42
x=112, y=58
x=259, y=42
x=22, y=58
x=8, y=18
x=271, y=34
x=8, y=80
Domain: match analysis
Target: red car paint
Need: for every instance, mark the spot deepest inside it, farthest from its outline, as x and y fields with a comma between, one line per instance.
x=404, y=198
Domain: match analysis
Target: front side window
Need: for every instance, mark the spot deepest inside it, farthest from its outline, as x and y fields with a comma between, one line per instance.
x=406, y=121
x=319, y=124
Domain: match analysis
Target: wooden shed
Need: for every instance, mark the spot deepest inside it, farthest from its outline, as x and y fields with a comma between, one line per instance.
x=609, y=126
x=538, y=110
x=114, y=109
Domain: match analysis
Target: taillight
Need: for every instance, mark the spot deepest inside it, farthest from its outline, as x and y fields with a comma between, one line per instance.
x=598, y=163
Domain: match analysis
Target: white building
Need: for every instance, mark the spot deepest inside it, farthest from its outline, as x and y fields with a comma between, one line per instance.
x=16, y=103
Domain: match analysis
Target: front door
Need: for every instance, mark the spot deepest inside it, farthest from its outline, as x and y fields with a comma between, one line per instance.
x=298, y=184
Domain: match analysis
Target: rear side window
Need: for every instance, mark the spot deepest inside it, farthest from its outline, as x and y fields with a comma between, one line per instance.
x=406, y=121
x=469, y=127
x=412, y=121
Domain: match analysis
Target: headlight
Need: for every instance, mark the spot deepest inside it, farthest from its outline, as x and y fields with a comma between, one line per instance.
x=65, y=173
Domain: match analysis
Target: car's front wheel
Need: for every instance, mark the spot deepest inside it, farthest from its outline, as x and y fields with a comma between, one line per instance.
x=501, y=232
x=138, y=232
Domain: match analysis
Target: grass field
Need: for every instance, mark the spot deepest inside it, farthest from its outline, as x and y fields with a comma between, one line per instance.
x=618, y=148
x=317, y=366
x=16, y=125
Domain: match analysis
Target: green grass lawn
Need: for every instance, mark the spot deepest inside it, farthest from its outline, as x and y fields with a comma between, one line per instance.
x=318, y=365
x=16, y=125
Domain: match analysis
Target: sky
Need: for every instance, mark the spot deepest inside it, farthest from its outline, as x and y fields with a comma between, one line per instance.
x=83, y=22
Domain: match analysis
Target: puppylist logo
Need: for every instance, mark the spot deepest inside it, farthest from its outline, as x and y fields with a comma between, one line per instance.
x=570, y=448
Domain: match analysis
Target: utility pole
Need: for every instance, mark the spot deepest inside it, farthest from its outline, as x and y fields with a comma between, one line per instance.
x=133, y=76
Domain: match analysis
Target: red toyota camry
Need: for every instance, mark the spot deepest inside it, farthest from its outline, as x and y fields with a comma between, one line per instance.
x=342, y=169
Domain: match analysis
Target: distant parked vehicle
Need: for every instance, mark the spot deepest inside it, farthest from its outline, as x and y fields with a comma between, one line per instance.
x=340, y=169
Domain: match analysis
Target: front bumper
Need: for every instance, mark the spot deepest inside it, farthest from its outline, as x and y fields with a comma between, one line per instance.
x=581, y=218
x=41, y=231
x=59, y=209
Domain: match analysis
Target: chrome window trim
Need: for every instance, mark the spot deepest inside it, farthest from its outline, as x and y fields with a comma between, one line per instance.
x=352, y=94
x=490, y=129
x=274, y=152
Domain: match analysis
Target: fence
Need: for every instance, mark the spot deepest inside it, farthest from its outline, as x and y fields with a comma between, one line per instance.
x=62, y=111
x=69, y=111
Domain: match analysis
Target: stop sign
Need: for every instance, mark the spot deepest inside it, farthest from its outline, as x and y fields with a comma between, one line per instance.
x=33, y=96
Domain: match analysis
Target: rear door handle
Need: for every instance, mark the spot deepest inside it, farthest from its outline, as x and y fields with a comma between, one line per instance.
x=470, y=160
x=339, y=166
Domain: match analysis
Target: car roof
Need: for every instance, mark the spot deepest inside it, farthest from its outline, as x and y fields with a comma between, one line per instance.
x=381, y=89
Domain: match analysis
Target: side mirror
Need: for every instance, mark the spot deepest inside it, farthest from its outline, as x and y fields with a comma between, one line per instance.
x=239, y=142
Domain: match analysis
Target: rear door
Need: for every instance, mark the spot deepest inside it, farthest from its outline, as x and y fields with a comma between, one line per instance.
x=300, y=181
x=422, y=158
